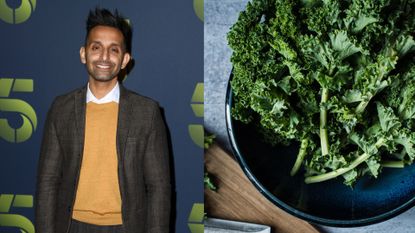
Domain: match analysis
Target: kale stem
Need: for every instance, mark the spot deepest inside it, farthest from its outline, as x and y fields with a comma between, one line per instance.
x=323, y=122
x=393, y=164
x=300, y=156
x=363, y=104
x=333, y=174
x=361, y=107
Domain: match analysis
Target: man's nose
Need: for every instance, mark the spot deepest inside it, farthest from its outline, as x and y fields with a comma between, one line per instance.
x=105, y=55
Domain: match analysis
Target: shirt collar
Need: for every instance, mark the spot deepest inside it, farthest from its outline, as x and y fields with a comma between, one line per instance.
x=113, y=95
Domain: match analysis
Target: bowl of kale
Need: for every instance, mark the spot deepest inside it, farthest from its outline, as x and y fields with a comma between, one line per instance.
x=320, y=106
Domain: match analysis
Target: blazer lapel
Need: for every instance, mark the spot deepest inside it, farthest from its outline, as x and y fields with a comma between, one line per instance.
x=124, y=116
x=80, y=108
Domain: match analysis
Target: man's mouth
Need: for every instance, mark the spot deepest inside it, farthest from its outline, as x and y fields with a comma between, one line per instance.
x=103, y=66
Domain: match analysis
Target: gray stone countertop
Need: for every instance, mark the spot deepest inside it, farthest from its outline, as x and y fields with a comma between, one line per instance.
x=220, y=15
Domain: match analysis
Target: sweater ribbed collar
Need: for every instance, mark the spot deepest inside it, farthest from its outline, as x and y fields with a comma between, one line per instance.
x=112, y=96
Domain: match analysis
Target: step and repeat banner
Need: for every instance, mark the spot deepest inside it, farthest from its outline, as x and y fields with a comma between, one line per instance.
x=39, y=59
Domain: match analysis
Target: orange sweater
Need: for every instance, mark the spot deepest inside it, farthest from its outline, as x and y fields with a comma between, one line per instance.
x=98, y=199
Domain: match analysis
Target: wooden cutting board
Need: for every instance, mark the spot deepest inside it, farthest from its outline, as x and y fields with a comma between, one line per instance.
x=237, y=199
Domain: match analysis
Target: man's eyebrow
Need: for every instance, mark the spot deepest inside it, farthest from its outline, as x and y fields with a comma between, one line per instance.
x=95, y=42
x=99, y=42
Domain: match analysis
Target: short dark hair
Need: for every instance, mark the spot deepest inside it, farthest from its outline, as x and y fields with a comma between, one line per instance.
x=104, y=17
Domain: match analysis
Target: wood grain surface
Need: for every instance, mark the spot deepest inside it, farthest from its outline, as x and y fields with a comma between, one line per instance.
x=237, y=199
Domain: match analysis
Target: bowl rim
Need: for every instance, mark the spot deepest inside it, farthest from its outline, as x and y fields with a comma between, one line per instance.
x=291, y=210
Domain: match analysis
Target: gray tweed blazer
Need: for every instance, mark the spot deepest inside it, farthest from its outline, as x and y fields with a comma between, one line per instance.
x=143, y=164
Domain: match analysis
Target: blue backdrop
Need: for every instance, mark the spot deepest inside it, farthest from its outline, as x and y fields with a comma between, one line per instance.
x=39, y=53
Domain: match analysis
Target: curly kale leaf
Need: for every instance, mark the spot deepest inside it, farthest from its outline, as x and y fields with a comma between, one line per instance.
x=337, y=76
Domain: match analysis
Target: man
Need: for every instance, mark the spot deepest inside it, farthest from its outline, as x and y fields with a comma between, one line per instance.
x=104, y=164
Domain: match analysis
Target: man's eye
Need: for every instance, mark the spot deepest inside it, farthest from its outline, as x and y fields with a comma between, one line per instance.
x=115, y=50
x=94, y=48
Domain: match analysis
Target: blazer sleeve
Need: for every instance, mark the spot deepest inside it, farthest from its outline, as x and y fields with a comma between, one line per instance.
x=48, y=177
x=157, y=177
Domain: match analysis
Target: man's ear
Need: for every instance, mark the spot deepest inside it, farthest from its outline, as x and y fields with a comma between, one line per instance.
x=125, y=61
x=82, y=54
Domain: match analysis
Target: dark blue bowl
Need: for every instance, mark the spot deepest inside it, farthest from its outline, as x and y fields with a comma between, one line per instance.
x=329, y=203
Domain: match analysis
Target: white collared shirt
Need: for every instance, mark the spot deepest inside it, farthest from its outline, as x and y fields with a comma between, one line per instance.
x=113, y=95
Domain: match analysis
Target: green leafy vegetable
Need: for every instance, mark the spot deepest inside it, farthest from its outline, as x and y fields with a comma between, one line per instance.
x=208, y=140
x=338, y=76
x=208, y=182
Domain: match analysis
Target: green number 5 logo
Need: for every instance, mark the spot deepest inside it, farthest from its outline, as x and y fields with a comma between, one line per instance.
x=25, y=111
x=196, y=131
x=15, y=220
x=196, y=217
x=18, y=15
x=198, y=8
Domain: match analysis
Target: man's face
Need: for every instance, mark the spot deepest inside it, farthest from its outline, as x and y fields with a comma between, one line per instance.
x=103, y=54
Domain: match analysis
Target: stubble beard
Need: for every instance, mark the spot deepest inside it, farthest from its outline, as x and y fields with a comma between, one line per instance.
x=102, y=76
